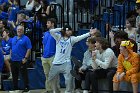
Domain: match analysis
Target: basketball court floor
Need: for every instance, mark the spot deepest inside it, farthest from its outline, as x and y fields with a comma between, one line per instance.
x=33, y=91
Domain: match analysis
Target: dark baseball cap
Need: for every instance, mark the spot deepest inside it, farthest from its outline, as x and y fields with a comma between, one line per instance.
x=67, y=27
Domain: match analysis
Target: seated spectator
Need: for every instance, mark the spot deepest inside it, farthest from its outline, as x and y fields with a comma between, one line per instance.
x=13, y=10
x=29, y=5
x=6, y=47
x=37, y=6
x=3, y=15
x=80, y=68
x=138, y=24
x=130, y=28
x=28, y=8
x=105, y=63
x=4, y=5
x=3, y=25
x=111, y=33
x=20, y=18
x=117, y=38
x=128, y=67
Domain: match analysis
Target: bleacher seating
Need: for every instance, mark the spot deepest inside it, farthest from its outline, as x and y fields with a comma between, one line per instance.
x=111, y=14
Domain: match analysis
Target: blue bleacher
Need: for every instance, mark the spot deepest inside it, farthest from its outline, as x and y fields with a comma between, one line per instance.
x=36, y=78
x=36, y=74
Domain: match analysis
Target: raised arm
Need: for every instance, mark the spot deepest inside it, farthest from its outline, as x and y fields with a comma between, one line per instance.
x=79, y=38
x=55, y=33
x=111, y=35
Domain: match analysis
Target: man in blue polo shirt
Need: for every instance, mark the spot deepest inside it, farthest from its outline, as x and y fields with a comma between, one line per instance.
x=21, y=48
x=49, y=45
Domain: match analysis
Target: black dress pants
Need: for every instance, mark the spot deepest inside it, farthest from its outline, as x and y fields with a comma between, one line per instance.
x=16, y=68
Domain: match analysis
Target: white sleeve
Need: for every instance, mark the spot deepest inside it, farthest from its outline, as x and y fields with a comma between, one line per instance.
x=108, y=59
x=55, y=34
x=79, y=38
x=30, y=6
x=85, y=59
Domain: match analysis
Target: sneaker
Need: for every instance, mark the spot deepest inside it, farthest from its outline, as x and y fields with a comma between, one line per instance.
x=11, y=91
x=78, y=91
x=74, y=74
x=10, y=77
x=18, y=91
x=26, y=90
x=85, y=91
x=15, y=91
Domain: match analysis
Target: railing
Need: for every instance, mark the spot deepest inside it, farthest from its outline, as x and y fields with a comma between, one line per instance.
x=116, y=12
x=61, y=12
x=79, y=17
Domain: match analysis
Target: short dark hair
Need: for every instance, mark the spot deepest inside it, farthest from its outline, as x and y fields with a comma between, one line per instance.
x=67, y=27
x=104, y=42
x=6, y=30
x=52, y=20
x=121, y=34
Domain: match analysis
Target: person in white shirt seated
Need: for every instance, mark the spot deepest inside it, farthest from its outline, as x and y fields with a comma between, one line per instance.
x=105, y=63
x=80, y=68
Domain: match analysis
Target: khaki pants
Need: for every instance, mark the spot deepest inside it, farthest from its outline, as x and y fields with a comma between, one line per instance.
x=46, y=63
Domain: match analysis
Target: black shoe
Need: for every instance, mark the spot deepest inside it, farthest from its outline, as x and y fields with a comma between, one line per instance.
x=74, y=74
x=26, y=90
